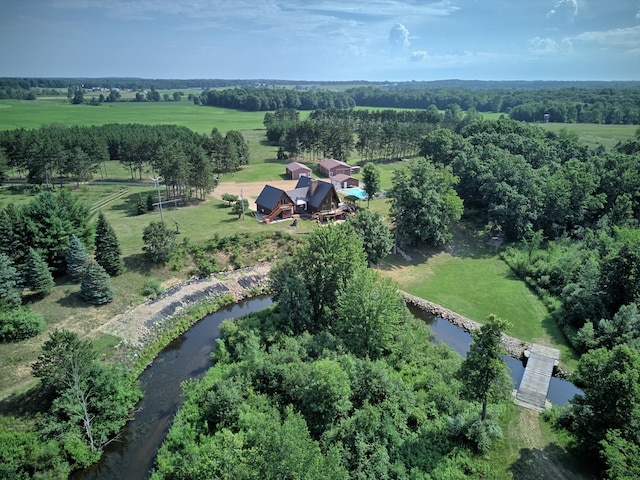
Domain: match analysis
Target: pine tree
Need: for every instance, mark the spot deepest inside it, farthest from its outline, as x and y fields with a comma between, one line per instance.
x=10, y=282
x=37, y=274
x=108, y=252
x=96, y=287
x=77, y=258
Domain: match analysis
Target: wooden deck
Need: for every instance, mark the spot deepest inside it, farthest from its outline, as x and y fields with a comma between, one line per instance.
x=534, y=386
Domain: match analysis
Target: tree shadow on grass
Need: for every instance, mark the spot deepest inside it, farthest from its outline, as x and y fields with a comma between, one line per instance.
x=72, y=300
x=551, y=462
x=27, y=404
x=138, y=262
x=129, y=203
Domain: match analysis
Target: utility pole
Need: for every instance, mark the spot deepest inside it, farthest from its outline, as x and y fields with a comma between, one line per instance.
x=155, y=181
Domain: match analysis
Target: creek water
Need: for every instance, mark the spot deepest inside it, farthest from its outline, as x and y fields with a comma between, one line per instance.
x=132, y=456
x=560, y=391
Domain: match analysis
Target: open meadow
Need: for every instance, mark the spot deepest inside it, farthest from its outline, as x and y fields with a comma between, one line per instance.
x=201, y=119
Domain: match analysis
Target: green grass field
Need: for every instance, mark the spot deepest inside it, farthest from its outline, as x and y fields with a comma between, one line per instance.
x=469, y=278
x=201, y=119
x=596, y=135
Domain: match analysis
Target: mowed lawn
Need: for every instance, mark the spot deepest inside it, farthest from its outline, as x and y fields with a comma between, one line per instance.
x=467, y=277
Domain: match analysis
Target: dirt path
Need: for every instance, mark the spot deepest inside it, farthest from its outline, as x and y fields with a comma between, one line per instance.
x=250, y=190
x=136, y=324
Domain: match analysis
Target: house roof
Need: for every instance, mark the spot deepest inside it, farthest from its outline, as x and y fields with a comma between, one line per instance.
x=329, y=163
x=321, y=192
x=294, y=166
x=299, y=195
x=341, y=177
x=303, y=182
x=269, y=196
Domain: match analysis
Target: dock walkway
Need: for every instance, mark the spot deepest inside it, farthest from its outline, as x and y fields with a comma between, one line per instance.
x=532, y=393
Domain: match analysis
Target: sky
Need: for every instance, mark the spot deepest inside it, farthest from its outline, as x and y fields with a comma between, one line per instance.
x=374, y=40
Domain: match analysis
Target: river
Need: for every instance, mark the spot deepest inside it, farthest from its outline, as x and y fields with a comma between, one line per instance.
x=187, y=357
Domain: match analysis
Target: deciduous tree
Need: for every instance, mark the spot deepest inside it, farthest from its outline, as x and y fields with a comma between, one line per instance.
x=371, y=180
x=370, y=309
x=159, y=242
x=324, y=265
x=424, y=204
x=483, y=372
x=376, y=237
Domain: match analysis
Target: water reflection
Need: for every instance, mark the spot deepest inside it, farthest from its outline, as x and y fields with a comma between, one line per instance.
x=560, y=391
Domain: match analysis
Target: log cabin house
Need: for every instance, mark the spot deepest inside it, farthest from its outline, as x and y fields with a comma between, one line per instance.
x=310, y=197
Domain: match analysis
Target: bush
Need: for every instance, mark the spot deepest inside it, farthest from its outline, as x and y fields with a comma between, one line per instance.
x=19, y=323
x=152, y=288
x=475, y=432
x=206, y=268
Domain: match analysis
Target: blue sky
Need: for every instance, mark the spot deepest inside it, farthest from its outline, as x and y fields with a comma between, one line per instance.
x=374, y=40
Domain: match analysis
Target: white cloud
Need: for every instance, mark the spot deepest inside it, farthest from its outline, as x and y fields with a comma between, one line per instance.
x=357, y=50
x=418, y=56
x=564, y=11
x=618, y=37
x=548, y=46
x=399, y=37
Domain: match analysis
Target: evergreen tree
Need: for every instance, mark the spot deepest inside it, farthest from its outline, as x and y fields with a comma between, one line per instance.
x=108, y=252
x=96, y=287
x=10, y=282
x=37, y=274
x=77, y=257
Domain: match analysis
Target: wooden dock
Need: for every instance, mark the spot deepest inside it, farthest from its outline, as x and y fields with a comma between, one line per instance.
x=532, y=393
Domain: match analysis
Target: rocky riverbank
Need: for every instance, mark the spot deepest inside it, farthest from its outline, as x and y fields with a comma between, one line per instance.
x=135, y=327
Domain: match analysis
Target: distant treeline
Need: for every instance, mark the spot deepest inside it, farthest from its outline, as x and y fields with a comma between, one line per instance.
x=562, y=102
x=265, y=99
x=571, y=105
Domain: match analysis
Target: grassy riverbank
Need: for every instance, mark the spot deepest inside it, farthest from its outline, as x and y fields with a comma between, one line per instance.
x=468, y=277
